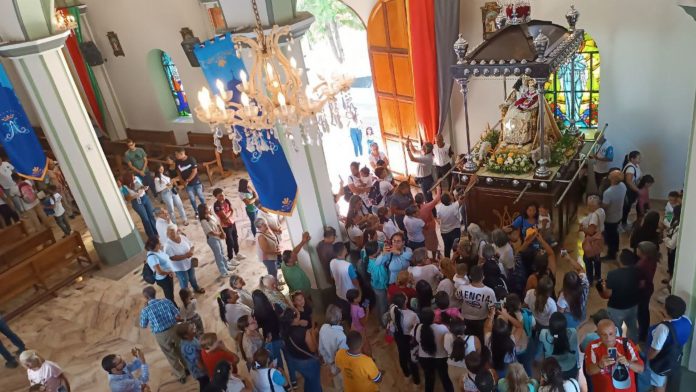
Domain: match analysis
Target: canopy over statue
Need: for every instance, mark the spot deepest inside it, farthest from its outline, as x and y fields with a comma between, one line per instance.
x=526, y=156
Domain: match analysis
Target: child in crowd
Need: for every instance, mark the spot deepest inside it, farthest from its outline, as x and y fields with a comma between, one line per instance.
x=643, y=201
x=54, y=202
x=674, y=199
x=264, y=376
x=214, y=351
x=304, y=310
x=359, y=313
x=188, y=312
x=191, y=353
x=443, y=311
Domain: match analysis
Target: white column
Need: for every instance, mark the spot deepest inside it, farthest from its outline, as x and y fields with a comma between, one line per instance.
x=46, y=77
x=684, y=282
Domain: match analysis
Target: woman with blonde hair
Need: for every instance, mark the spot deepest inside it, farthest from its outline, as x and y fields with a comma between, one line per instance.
x=43, y=372
x=517, y=380
x=447, y=283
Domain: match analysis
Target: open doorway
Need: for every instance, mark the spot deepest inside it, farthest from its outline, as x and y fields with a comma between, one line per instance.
x=337, y=44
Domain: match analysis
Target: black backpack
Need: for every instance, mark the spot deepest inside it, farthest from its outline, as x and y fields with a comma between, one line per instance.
x=669, y=358
x=375, y=196
x=148, y=274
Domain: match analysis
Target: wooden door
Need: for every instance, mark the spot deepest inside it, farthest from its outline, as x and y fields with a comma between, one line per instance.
x=390, y=58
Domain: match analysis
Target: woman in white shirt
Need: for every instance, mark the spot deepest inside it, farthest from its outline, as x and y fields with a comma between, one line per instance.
x=458, y=345
x=170, y=195
x=541, y=303
x=403, y=321
x=231, y=310
x=431, y=351
x=414, y=228
x=552, y=378
x=450, y=221
x=377, y=155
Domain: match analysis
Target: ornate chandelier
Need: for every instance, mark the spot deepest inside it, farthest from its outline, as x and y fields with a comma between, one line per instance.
x=272, y=94
x=63, y=21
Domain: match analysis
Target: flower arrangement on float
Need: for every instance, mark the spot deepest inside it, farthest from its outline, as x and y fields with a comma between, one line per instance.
x=487, y=144
x=510, y=162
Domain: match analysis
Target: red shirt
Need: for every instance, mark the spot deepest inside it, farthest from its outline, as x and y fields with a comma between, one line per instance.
x=394, y=289
x=212, y=358
x=224, y=212
x=594, y=353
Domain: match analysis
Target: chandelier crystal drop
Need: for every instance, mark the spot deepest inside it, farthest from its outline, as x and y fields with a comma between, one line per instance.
x=273, y=93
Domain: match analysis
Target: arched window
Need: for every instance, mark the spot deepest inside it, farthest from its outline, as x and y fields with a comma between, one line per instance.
x=559, y=88
x=175, y=86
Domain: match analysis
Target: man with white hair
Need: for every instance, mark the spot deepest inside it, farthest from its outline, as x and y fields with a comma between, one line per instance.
x=593, y=227
x=180, y=252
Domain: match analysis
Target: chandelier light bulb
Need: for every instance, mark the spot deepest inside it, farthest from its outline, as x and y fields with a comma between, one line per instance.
x=243, y=78
x=281, y=100
x=220, y=105
x=221, y=88
x=245, y=99
x=204, y=100
x=293, y=62
x=269, y=71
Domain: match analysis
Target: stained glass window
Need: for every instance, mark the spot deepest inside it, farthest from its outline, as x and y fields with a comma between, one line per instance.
x=583, y=109
x=175, y=85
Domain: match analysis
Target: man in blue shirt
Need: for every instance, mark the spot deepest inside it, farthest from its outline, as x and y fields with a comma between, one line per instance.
x=659, y=336
x=121, y=378
x=161, y=316
x=396, y=257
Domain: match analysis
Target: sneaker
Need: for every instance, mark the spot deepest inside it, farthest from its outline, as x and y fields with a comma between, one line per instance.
x=11, y=364
x=240, y=256
x=182, y=380
x=225, y=275
x=666, y=281
x=200, y=290
x=233, y=262
x=186, y=223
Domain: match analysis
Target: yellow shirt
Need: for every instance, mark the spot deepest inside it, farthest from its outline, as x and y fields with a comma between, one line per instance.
x=360, y=373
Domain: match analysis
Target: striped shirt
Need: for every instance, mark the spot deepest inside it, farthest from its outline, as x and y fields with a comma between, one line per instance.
x=159, y=314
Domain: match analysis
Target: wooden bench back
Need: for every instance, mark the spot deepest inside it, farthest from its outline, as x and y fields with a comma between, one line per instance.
x=207, y=139
x=41, y=272
x=147, y=136
x=26, y=247
x=12, y=234
x=17, y=280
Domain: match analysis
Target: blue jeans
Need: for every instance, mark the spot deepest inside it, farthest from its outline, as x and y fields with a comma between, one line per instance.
x=310, y=371
x=62, y=222
x=5, y=329
x=382, y=303
x=143, y=208
x=194, y=190
x=171, y=200
x=187, y=276
x=356, y=137
x=628, y=316
x=252, y=218
x=272, y=267
x=216, y=246
x=148, y=180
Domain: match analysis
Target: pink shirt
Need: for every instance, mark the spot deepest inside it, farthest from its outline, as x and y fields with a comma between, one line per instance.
x=643, y=197
x=356, y=313
x=452, y=312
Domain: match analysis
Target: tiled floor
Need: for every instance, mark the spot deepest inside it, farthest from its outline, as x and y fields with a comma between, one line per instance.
x=98, y=315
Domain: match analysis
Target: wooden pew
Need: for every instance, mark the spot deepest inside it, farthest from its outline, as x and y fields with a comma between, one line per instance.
x=146, y=136
x=206, y=140
x=45, y=272
x=25, y=247
x=208, y=159
x=114, y=153
x=12, y=234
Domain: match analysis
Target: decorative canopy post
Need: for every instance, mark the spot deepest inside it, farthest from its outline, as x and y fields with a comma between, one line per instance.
x=470, y=165
x=542, y=171
x=572, y=18
x=461, y=46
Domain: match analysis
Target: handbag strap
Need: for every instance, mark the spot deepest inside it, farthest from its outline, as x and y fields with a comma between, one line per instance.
x=270, y=381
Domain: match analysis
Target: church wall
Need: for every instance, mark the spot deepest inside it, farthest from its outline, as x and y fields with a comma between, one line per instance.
x=144, y=26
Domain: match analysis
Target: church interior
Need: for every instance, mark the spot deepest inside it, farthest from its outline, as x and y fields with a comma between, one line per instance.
x=261, y=133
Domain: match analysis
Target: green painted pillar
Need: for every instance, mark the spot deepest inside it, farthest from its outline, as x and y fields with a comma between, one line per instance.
x=37, y=56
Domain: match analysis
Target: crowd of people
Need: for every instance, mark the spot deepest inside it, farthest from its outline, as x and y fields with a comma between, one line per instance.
x=463, y=307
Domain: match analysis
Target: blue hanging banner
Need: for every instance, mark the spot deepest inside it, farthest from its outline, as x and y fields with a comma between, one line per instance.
x=269, y=171
x=17, y=135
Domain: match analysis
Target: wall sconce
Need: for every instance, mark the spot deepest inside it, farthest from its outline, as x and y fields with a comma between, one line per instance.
x=115, y=44
x=188, y=44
